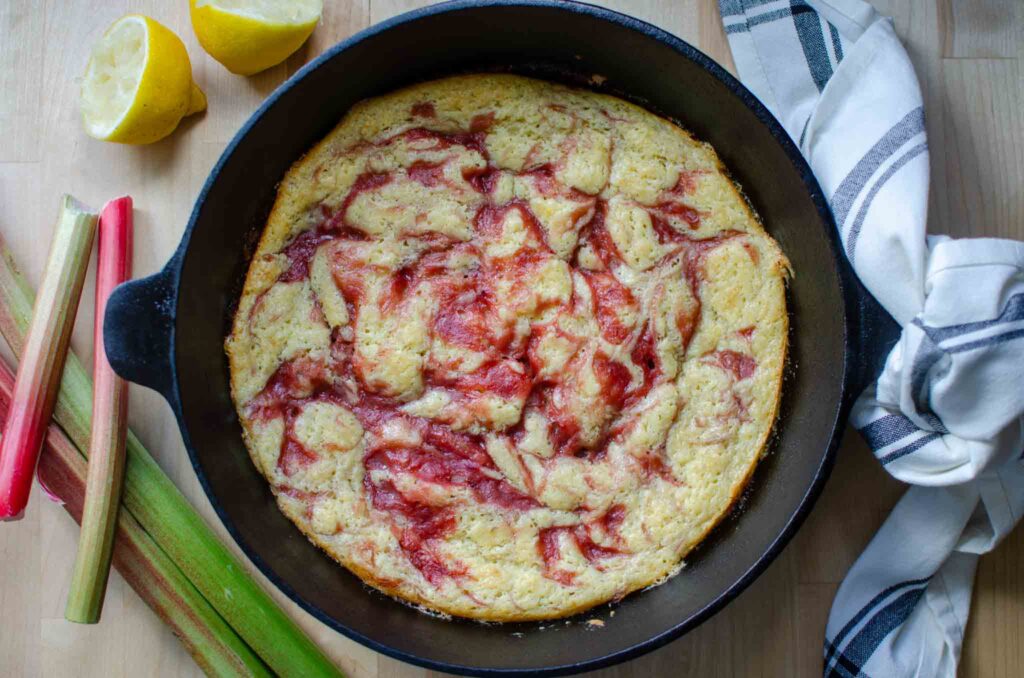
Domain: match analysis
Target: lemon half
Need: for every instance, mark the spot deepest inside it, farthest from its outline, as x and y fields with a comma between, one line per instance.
x=138, y=84
x=249, y=36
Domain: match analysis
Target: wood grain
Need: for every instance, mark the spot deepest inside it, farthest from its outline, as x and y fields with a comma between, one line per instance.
x=968, y=56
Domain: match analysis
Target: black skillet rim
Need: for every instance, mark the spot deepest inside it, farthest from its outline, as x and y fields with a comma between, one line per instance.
x=174, y=271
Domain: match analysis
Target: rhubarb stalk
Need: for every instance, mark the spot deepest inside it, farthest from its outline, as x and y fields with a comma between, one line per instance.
x=215, y=647
x=109, y=427
x=46, y=345
x=161, y=509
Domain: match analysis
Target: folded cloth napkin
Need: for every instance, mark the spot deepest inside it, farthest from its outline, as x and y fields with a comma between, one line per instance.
x=947, y=413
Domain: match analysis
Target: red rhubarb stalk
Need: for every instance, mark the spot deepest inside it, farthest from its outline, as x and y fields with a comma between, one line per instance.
x=46, y=346
x=109, y=427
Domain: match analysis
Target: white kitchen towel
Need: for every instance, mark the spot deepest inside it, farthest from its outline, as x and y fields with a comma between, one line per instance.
x=947, y=413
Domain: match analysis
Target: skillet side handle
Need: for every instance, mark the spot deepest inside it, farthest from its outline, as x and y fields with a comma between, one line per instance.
x=875, y=332
x=138, y=331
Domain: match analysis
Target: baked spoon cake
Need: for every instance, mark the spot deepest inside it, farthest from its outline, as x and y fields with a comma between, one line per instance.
x=506, y=349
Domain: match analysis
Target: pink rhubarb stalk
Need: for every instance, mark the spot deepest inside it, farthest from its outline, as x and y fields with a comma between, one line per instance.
x=109, y=427
x=46, y=346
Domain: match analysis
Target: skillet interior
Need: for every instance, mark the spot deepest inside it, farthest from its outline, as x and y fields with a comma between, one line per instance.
x=557, y=41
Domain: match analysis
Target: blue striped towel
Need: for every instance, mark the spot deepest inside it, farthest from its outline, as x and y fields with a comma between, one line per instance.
x=947, y=413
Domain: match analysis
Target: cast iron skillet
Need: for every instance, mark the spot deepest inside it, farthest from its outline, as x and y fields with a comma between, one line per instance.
x=167, y=331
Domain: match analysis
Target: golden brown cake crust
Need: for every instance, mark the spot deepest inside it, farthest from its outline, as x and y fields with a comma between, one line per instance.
x=506, y=349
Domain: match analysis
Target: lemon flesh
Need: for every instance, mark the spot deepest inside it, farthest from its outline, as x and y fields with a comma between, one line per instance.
x=112, y=76
x=138, y=83
x=248, y=36
x=299, y=12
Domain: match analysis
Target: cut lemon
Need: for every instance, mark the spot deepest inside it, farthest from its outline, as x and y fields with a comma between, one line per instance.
x=248, y=36
x=138, y=84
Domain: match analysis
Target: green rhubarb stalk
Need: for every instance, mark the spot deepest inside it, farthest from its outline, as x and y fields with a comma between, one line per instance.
x=167, y=516
x=48, y=332
x=216, y=648
x=109, y=427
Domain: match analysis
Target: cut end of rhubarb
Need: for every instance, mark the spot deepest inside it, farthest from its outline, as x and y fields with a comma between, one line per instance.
x=75, y=205
x=74, y=617
x=50, y=494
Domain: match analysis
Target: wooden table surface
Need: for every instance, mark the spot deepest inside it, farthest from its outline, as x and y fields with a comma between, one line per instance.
x=969, y=55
